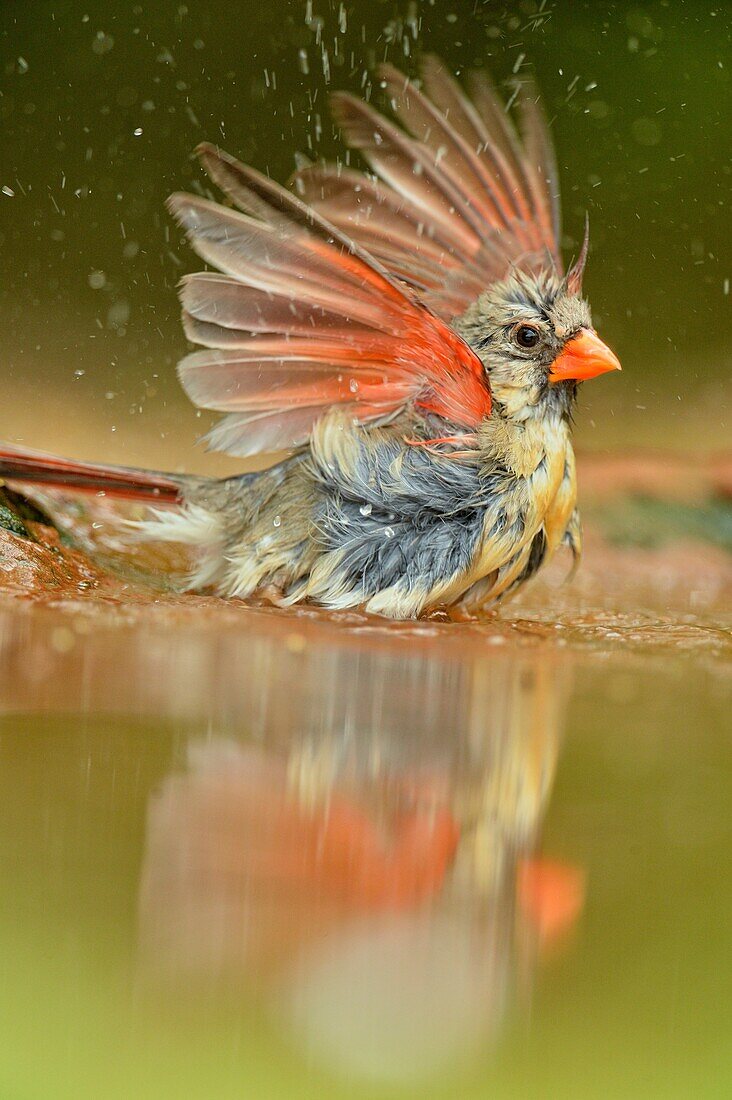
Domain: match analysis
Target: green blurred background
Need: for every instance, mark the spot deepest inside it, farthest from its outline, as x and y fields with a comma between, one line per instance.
x=103, y=101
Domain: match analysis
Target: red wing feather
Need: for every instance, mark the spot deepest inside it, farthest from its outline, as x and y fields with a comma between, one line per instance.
x=338, y=295
x=303, y=319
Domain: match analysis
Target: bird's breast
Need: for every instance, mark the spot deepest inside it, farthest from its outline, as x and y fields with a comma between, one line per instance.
x=543, y=484
x=540, y=460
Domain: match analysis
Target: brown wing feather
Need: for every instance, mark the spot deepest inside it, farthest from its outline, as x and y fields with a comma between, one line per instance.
x=460, y=179
x=483, y=188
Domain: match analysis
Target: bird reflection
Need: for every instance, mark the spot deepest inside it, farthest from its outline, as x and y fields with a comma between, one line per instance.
x=361, y=857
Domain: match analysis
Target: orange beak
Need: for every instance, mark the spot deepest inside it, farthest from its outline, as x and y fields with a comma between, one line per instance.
x=584, y=356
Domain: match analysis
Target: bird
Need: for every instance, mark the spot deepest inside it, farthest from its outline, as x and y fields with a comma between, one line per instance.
x=401, y=341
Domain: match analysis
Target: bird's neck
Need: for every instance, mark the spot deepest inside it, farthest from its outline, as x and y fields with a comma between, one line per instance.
x=522, y=404
x=524, y=444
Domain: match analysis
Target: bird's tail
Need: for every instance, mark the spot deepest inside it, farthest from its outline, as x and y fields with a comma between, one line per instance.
x=22, y=464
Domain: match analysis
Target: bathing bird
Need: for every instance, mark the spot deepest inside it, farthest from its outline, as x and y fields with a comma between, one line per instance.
x=406, y=344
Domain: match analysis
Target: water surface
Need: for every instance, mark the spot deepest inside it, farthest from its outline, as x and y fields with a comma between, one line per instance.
x=285, y=856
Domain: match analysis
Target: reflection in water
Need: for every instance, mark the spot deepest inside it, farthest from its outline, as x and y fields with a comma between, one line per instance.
x=342, y=841
x=237, y=847
x=359, y=856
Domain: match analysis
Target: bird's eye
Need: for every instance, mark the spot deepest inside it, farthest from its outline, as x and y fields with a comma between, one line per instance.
x=527, y=336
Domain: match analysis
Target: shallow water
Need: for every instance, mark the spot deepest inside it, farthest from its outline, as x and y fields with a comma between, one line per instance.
x=278, y=855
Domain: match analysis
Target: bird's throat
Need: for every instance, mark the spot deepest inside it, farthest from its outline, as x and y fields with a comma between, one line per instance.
x=524, y=447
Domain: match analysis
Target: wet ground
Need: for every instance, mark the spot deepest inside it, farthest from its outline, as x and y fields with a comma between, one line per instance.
x=254, y=852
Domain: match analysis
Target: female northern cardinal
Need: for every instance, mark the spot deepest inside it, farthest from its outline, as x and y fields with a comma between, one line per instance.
x=409, y=336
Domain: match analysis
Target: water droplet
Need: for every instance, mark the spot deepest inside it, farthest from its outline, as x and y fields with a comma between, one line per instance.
x=118, y=314
x=103, y=43
x=388, y=532
x=366, y=509
x=277, y=521
x=646, y=131
x=353, y=386
x=137, y=131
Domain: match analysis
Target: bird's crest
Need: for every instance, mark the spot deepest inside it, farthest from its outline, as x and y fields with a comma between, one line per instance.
x=577, y=270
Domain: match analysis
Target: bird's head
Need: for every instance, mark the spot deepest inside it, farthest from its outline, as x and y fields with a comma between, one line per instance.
x=533, y=333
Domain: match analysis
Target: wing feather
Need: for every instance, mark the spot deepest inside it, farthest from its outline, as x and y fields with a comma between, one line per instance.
x=245, y=383
x=338, y=294
x=229, y=303
x=488, y=195
x=488, y=131
x=298, y=319
x=257, y=433
x=271, y=258
x=279, y=429
x=391, y=231
x=542, y=159
x=483, y=189
x=408, y=167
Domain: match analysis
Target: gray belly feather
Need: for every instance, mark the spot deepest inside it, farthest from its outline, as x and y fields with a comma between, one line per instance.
x=397, y=520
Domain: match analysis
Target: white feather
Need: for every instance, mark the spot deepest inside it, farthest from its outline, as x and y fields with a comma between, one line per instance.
x=191, y=525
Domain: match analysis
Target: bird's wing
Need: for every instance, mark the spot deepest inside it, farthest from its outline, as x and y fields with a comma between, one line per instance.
x=459, y=196
x=299, y=318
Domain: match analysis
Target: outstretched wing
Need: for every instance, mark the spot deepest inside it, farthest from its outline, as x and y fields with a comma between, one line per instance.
x=460, y=197
x=299, y=318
